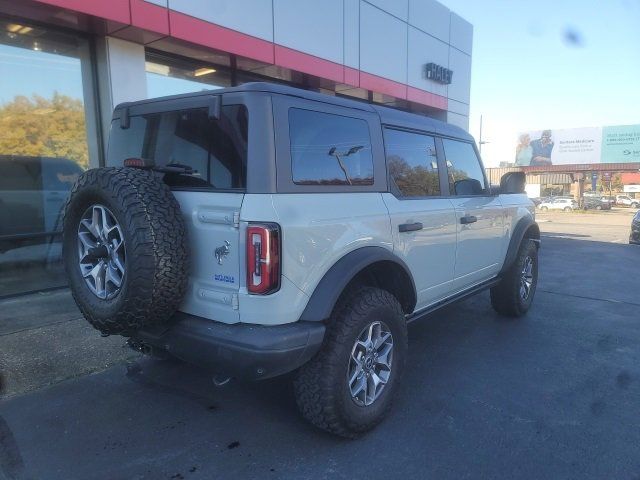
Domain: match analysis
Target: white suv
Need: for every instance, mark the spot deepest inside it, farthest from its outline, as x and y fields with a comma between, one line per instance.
x=565, y=204
x=263, y=229
x=627, y=201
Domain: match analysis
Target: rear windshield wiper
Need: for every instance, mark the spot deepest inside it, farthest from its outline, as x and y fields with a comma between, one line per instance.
x=144, y=164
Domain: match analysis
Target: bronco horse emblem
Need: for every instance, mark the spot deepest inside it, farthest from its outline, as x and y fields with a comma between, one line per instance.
x=222, y=252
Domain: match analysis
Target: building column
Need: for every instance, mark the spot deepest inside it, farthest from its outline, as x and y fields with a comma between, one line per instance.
x=121, y=77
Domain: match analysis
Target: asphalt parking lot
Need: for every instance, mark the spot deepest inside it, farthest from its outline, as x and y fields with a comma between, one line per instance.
x=553, y=395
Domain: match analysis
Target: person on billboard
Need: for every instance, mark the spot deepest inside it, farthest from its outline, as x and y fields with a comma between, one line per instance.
x=542, y=149
x=524, y=151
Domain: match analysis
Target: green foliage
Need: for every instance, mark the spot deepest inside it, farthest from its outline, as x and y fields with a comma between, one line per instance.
x=38, y=126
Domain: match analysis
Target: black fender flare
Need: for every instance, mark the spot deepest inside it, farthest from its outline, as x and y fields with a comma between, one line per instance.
x=524, y=225
x=337, y=278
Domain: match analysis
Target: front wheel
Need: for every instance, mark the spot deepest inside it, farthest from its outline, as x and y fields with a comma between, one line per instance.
x=512, y=297
x=348, y=387
x=544, y=209
x=567, y=209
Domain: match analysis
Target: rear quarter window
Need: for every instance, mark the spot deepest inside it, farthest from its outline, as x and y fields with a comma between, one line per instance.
x=329, y=149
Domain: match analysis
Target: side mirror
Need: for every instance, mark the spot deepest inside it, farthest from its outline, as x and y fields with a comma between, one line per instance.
x=468, y=186
x=513, y=182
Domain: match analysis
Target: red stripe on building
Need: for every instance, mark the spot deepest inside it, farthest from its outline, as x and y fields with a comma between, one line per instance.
x=116, y=10
x=149, y=16
x=210, y=35
x=427, y=98
x=382, y=85
x=303, y=62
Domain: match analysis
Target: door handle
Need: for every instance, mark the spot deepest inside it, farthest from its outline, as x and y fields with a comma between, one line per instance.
x=467, y=219
x=410, y=227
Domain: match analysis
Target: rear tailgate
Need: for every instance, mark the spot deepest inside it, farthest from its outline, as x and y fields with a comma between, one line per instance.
x=214, y=241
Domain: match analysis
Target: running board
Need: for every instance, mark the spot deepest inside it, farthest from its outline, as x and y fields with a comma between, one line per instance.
x=455, y=298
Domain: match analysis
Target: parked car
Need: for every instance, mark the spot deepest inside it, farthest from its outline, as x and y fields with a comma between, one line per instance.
x=634, y=237
x=33, y=191
x=564, y=204
x=299, y=232
x=595, y=203
x=609, y=199
x=627, y=201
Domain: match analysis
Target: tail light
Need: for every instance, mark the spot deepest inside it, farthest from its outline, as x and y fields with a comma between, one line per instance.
x=263, y=258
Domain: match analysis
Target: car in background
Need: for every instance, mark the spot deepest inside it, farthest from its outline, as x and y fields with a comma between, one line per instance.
x=536, y=201
x=607, y=198
x=634, y=237
x=33, y=192
x=564, y=204
x=595, y=203
x=627, y=201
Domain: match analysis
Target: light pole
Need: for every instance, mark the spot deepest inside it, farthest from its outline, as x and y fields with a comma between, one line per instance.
x=480, y=141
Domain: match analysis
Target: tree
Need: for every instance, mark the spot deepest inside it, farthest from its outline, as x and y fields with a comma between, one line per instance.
x=38, y=126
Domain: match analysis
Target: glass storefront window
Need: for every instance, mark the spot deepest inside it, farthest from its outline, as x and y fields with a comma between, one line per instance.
x=43, y=149
x=171, y=76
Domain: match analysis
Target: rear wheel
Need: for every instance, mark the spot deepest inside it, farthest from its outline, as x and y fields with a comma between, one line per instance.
x=348, y=387
x=512, y=297
x=544, y=209
x=567, y=209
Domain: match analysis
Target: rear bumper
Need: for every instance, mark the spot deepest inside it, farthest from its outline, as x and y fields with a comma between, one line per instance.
x=246, y=351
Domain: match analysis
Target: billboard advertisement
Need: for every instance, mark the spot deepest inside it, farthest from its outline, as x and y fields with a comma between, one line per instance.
x=612, y=144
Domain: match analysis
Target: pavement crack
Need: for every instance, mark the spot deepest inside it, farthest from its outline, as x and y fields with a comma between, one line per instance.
x=586, y=297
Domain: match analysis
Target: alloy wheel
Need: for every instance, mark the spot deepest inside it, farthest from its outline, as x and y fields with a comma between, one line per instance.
x=101, y=252
x=526, y=278
x=370, y=363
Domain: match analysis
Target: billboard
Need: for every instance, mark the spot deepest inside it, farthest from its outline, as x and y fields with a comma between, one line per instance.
x=612, y=144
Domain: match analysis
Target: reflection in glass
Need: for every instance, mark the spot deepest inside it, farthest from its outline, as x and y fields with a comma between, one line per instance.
x=412, y=163
x=43, y=150
x=329, y=149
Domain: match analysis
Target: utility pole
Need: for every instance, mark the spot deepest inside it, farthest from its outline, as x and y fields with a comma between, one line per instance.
x=480, y=141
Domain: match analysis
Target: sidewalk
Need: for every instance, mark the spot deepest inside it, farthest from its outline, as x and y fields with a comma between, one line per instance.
x=44, y=339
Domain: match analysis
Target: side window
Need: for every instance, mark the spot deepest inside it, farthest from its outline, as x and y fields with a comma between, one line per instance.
x=412, y=163
x=20, y=173
x=329, y=149
x=216, y=150
x=463, y=167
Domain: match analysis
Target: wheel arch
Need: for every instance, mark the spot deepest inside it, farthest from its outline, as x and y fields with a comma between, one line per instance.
x=526, y=228
x=371, y=266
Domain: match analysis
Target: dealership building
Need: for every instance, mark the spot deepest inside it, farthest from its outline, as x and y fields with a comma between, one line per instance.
x=66, y=63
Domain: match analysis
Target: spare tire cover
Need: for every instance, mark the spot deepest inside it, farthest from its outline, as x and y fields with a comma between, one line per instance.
x=125, y=249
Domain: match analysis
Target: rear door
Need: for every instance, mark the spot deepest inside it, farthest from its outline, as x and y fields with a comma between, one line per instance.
x=423, y=221
x=210, y=196
x=479, y=216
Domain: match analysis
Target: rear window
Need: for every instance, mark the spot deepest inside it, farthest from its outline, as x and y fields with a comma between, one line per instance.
x=329, y=149
x=215, y=149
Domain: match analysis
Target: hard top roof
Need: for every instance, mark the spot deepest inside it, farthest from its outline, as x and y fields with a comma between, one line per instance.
x=388, y=116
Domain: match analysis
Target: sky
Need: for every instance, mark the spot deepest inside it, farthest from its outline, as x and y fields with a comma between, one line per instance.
x=549, y=65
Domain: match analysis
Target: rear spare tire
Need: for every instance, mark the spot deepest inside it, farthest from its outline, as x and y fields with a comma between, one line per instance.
x=124, y=249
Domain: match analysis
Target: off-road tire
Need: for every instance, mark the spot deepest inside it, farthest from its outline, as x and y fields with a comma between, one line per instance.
x=320, y=386
x=157, y=258
x=505, y=296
